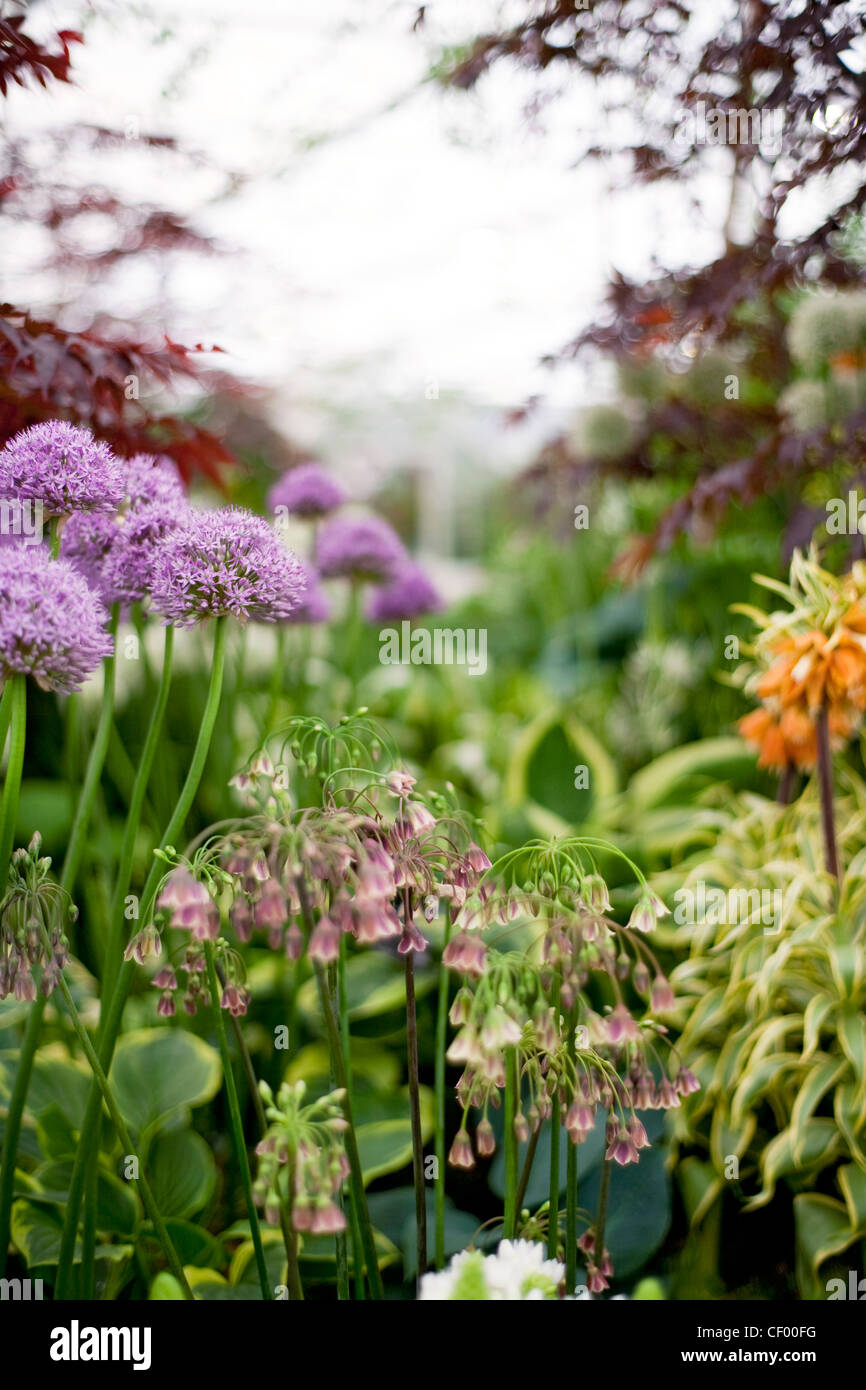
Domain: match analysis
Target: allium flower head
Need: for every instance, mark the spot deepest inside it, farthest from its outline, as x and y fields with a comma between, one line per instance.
x=408, y=595
x=86, y=543
x=152, y=481
x=359, y=547
x=116, y=554
x=51, y=622
x=314, y=606
x=62, y=466
x=226, y=562
x=307, y=491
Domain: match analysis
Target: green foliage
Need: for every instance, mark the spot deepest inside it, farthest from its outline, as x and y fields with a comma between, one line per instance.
x=772, y=1014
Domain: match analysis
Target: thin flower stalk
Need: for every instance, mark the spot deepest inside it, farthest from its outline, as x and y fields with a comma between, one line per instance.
x=69, y=873
x=439, y=1091
x=240, y=1148
x=85, y=1154
x=511, y=1107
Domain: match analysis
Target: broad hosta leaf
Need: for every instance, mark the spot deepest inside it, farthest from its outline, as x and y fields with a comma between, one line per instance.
x=393, y=1213
x=159, y=1071
x=182, y=1172
x=695, y=764
x=386, y=1145
x=57, y=1081
x=639, y=1210
x=58, y=1138
x=370, y=1061
x=165, y=1289
x=118, y=1209
x=589, y=1155
x=534, y=778
x=243, y=1268
x=194, y=1245
x=37, y=1230
x=375, y=986
x=318, y=1259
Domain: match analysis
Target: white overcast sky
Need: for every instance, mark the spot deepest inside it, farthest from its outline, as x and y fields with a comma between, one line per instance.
x=390, y=231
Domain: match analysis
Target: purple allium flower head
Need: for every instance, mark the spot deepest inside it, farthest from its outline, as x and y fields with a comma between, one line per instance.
x=226, y=562
x=359, y=547
x=116, y=554
x=128, y=571
x=152, y=481
x=408, y=594
x=86, y=542
x=51, y=622
x=307, y=491
x=62, y=466
x=315, y=606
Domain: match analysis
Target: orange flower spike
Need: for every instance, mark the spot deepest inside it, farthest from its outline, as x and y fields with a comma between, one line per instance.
x=800, y=736
x=855, y=618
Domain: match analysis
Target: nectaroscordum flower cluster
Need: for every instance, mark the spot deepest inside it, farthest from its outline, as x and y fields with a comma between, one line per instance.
x=809, y=664
x=33, y=916
x=369, y=866
x=573, y=1063
x=302, y=1162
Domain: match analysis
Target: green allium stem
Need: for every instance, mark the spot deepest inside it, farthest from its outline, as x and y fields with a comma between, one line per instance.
x=415, y=1111
x=236, y=1121
x=14, y=712
x=555, y=1130
x=571, y=1183
x=110, y=1027
x=510, y=1141
x=278, y=675
x=341, y=1250
x=115, y=945
x=123, y=1134
x=439, y=1091
x=6, y=700
x=342, y=1002
x=93, y=771
x=15, y=716
x=290, y=1237
x=601, y=1218
x=359, y=1196
x=68, y=875
x=527, y=1167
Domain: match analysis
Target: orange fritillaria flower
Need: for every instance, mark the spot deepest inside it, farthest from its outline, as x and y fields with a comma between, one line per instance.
x=825, y=670
x=787, y=736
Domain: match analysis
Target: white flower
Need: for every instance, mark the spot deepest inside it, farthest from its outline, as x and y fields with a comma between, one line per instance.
x=519, y=1271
